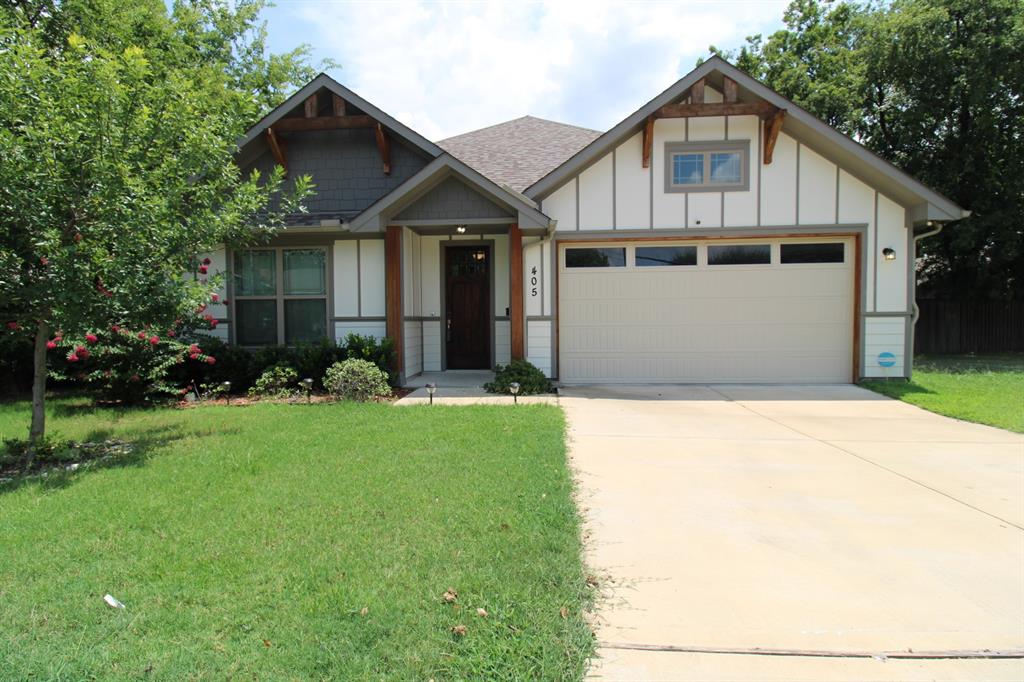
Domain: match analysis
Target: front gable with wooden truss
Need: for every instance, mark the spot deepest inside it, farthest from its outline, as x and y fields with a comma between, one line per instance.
x=741, y=184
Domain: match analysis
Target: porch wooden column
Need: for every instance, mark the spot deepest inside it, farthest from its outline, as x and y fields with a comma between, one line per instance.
x=394, y=314
x=515, y=290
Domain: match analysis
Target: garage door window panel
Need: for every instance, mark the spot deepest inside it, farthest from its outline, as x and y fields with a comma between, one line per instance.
x=740, y=254
x=828, y=252
x=595, y=257
x=664, y=256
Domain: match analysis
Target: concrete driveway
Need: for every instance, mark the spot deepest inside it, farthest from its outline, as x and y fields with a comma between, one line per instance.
x=821, y=519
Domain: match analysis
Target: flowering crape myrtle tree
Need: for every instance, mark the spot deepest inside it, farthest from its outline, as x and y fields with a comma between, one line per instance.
x=117, y=170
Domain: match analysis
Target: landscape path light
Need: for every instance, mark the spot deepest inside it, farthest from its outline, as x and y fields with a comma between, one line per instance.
x=227, y=391
x=307, y=384
x=431, y=389
x=514, y=389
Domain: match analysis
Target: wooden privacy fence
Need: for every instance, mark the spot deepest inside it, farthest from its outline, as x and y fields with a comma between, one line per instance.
x=970, y=327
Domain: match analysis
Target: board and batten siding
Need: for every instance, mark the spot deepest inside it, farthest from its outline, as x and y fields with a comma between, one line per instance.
x=800, y=189
x=358, y=288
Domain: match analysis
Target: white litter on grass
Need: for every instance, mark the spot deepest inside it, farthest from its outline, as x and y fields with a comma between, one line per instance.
x=112, y=602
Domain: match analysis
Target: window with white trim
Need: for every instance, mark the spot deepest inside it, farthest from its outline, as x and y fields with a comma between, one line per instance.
x=707, y=166
x=280, y=296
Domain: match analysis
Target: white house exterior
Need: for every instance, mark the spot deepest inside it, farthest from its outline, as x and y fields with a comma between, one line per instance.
x=719, y=234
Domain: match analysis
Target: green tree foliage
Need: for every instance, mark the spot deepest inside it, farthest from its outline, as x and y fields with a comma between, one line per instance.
x=118, y=124
x=936, y=87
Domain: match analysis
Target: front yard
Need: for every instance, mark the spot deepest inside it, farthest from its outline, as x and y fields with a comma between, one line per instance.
x=988, y=389
x=297, y=542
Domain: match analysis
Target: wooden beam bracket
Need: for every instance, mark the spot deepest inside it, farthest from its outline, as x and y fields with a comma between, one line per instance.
x=295, y=124
x=311, y=105
x=277, y=148
x=648, y=141
x=384, y=147
x=772, y=126
x=729, y=90
x=697, y=92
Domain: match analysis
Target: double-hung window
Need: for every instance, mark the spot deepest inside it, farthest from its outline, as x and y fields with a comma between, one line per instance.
x=707, y=166
x=280, y=295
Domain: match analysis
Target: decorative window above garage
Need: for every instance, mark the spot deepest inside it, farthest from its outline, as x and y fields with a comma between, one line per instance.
x=707, y=166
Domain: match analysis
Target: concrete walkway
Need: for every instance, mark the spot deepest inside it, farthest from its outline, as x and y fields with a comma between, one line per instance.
x=826, y=519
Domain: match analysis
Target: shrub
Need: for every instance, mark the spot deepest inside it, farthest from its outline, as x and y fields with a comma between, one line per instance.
x=313, y=359
x=380, y=353
x=126, y=365
x=531, y=380
x=275, y=382
x=356, y=379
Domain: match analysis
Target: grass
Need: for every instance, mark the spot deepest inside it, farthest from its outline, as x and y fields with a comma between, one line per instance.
x=247, y=541
x=988, y=389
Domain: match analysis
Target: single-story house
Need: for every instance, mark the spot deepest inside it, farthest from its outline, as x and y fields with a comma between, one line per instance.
x=718, y=234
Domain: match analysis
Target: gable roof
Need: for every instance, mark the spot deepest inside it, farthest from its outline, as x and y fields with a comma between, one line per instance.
x=321, y=82
x=376, y=216
x=927, y=204
x=519, y=152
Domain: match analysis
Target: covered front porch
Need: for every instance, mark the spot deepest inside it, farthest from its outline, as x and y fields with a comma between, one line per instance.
x=453, y=266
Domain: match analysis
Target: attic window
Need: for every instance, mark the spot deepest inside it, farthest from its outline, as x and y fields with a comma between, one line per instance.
x=707, y=166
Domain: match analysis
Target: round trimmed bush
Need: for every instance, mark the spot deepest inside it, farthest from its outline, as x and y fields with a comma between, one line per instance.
x=530, y=379
x=356, y=379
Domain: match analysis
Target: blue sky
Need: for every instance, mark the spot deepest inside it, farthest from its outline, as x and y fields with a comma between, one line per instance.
x=449, y=67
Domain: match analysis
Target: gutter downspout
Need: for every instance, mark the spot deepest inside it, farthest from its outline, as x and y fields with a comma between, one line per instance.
x=913, y=273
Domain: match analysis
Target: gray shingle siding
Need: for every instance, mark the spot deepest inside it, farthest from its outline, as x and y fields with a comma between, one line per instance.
x=346, y=168
x=452, y=199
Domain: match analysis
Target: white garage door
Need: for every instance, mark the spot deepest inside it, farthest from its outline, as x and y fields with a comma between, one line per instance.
x=715, y=311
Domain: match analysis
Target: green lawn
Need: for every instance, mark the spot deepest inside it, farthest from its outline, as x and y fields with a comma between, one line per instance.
x=246, y=541
x=988, y=389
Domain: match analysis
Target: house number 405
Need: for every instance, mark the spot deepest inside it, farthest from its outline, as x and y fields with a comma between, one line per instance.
x=533, y=281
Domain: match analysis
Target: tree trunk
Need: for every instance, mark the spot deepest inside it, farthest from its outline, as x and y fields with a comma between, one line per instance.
x=38, y=429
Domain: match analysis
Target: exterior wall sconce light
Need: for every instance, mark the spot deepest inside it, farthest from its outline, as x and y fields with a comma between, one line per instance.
x=888, y=253
x=431, y=390
x=514, y=390
x=227, y=391
x=461, y=229
x=307, y=385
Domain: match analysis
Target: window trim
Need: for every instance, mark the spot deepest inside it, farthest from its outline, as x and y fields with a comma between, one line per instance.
x=742, y=147
x=666, y=266
x=279, y=296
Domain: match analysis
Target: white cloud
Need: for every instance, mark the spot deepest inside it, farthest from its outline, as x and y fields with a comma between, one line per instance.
x=446, y=68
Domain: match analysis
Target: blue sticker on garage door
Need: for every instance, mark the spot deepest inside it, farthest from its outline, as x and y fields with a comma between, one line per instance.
x=886, y=359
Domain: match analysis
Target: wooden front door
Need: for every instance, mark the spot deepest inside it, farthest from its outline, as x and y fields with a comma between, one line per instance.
x=468, y=307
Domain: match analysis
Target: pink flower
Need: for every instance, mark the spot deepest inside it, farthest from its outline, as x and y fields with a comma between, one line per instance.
x=82, y=352
x=210, y=360
x=72, y=357
x=215, y=297
x=51, y=345
x=134, y=377
x=13, y=326
x=193, y=356
x=58, y=338
x=202, y=269
x=44, y=261
x=91, y=338
x=78, y=237
x=170, y=332
x=114, y=328
x=201, y=308
x=153, y=340
x=206, y=261
x=194, y=348
x=142, y=335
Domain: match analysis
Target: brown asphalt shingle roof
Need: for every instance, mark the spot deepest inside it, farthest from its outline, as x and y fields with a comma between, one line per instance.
x=519, y=152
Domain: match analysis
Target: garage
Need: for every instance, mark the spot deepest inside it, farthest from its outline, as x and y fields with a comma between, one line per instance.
x=712, y=311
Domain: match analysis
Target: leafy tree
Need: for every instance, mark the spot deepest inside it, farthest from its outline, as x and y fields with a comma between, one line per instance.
x=118, y=124
x=936, y=87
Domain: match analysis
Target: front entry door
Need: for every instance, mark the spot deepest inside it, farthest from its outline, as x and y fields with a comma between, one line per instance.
x=468, y=307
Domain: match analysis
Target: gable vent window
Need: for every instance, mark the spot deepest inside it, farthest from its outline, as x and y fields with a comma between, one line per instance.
x=707, y=166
